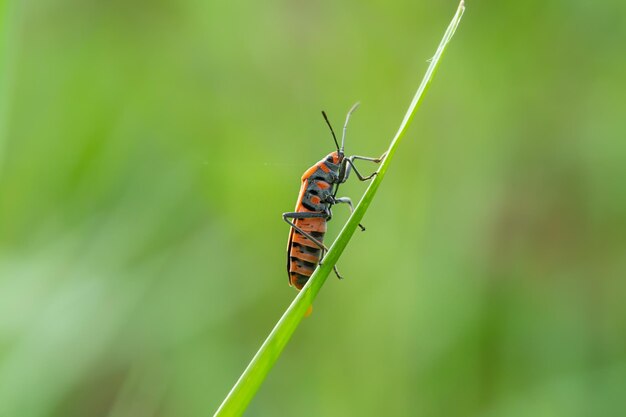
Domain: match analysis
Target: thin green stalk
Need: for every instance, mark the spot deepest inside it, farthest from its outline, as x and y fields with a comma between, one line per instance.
x=249, y=382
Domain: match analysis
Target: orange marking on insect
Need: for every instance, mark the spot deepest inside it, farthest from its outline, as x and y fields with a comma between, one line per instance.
x=323, y=185
x=305, y=182
x=297, y=237
x=301, y=208
x=302, y=269
x=315, y=200
x=307, y=174
x=323, y=167
x=297, y=281
x=315, y=224
x=309, y=257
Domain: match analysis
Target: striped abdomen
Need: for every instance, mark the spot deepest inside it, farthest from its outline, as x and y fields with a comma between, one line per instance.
x=304, y=255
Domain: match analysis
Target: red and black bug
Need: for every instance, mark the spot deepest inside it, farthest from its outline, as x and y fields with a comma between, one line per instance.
x=318, y=194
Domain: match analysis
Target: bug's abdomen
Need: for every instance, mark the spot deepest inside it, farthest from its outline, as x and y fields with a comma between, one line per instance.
x=304, y=255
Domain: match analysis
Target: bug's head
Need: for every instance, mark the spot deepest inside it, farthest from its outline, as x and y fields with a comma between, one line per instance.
x=339, y=153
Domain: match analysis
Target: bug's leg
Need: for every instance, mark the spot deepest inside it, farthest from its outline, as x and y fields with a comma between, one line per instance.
x=350, y=163
x=336, y=272
x=305, y=215
x=346, y=200
x=367, y=158
x=329, y=213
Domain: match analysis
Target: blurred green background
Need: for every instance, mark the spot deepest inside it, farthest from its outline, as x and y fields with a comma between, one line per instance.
x=148, y=149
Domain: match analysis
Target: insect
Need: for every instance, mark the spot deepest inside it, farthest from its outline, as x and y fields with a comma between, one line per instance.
x=318, y=193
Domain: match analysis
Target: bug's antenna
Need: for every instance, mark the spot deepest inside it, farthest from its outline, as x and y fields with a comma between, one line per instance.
x=343, y=136
x=331, y=129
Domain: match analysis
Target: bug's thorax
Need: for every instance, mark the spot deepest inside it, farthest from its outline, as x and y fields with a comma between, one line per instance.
x=327, y=169
x=318, y=183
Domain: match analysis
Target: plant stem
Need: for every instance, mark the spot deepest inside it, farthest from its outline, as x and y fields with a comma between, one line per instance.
x=250, y=380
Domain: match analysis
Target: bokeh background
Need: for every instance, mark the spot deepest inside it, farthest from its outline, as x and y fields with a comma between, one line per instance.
x=148, y=149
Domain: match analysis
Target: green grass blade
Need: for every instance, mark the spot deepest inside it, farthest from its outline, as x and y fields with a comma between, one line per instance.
x=249, y=382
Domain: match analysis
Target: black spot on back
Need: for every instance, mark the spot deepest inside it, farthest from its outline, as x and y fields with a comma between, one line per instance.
x=317, y=235
x=308, y=206
x=299, y=280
